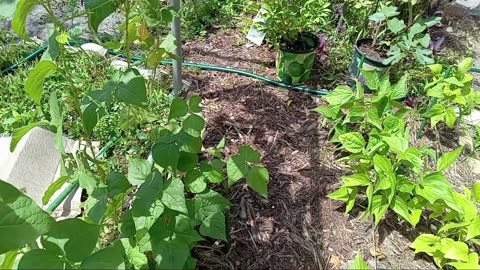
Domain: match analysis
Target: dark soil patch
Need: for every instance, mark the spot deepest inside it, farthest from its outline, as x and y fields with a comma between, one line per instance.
x=375, y=52
x=297, y=227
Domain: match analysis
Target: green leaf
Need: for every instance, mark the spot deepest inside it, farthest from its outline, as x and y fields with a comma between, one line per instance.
x=473, y=229
x=395, y=25
x=64, y=239
x=425, y=243
x=187, y=161
x=330, y=112
x=213, y=175
x=179, y=108
x=195, y=181
x=98, y=10
x=397, y=144
x=450, y=117
x=476, y=191
x=339, y=96
x=382, y=164
x=138, y=170
x=371, y=78
x=237, y=168
x=257, y=179
x=194, y=103
x=355, y=180
x=170, y=254
x=131, y=88
x=447, y=159
x=249, y=154
x=221, y=144
x=174, y=195
x=90, y=117
x=21, y=220
x=373, y=117
x=436, y=91
x=457, y=251
x=400, y=207
x=166, y=155
x=107, y=258
x=36, y=78
x=400, y=89
x=435, y=187
x=40, y=259
x=7, y=260
x=422, y=56
x=436, y=69
x=117, y=183
x=24, y=7
x=454, y=81
x=53, y=50
x=358, y=263
x=353, y=142
x=465, y=66
x=169, y=43
x=53, y=188
x=193, y=125
x=136, y=258
x=214, y=226
x=7, y=8
x=189, y=143
x=436, y=109
x=208, y=203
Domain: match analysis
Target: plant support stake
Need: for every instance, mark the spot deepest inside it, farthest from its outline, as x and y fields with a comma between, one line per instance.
x=177, y=63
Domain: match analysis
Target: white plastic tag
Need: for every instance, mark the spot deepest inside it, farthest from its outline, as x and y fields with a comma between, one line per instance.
x=254, y=35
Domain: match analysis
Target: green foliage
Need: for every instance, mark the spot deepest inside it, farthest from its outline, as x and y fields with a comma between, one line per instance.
x=451, y=94
x=285, y=20
x=359, y=263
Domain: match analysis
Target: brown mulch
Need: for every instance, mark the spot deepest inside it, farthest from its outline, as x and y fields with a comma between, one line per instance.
x=297, y=227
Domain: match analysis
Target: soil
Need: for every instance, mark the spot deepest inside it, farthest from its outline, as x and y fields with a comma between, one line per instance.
x=297, y=227
x=375, y=52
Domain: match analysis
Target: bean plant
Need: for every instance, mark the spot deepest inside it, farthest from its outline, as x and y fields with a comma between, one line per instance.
x=162, y=207
x=394, y=175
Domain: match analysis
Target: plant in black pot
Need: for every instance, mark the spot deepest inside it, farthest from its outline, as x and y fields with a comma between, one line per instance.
x=290, y=26
x=392, y=42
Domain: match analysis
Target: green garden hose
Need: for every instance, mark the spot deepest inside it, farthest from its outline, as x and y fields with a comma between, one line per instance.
x=66, y=192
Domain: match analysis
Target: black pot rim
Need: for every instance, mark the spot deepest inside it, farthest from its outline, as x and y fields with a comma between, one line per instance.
x=375, y=61
x=315, y=39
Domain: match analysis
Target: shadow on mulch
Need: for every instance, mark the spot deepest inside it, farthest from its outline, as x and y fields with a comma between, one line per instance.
x=285, y=231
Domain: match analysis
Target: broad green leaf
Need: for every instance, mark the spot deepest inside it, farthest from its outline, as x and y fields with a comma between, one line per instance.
x=371, y=78
x=221, y=144
x=462, y=265
x=377, y=17
x=457, y=251
x=126, y=225
x=96, y=204
x=476, y=191
x=179, y=108
x=138, y=170
x=136, y=258
x=195, y=181
x=208, y=203
x=425, y=243
x=436, y=69
x=189, y=143
x=169, y=43
x=436, y=91
x=249, y=154
x=454, y=81
x=257, y=179
x=194, y=103
x=358, y=263
x=214, y=226
x=435, y=187
x=170, y=254
x=400, y=207
x=90, y=117
x=145, y=209
x=422, y=56
x=73, y=238
x=7, y=8
x=395, y=25
x=339, y=96
x=473, y=229
x=447, y=159
x=166, y=155
x=212, y=174
x=353, y=142
x=117, y=183
x=107, y=258
x=55, y=110
x=237, y=168
x=193, y=125
x=465, y=66
x=450, y=117
x=21, y=220
x=53, y=188
x=36, y=78
x=400, y=90
x=131, y=88
x=24, y=7
x=41, y=259
x=98, y=10
x=53, y=50
x=187, y=161
x=174, y=195
x=373, y=117
x=382, y=164
x=330, y=112
x=355, y=180
x=397, y=144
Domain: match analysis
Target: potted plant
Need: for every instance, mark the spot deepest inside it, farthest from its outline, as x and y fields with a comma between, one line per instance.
x=289, y=26
x=392, y=41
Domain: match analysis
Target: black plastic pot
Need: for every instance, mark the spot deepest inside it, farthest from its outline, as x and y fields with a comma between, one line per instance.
x=368, y=62
x=294, y=66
